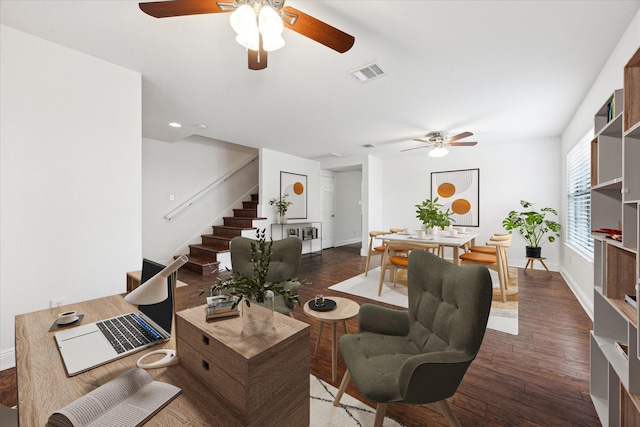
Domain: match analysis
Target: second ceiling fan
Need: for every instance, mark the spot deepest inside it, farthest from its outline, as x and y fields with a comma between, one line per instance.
x=439, y=141
x=258, y=23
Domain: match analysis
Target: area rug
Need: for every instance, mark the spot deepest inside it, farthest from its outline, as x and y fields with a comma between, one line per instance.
x=503, y=316
x=350, y=412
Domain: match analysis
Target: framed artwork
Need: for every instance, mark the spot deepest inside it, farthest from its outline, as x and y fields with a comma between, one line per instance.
x=459, y=191
x=295, y=185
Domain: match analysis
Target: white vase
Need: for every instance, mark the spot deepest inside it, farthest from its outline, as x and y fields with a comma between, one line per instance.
x=257, y=319
x=432, y=230
x=283, y=219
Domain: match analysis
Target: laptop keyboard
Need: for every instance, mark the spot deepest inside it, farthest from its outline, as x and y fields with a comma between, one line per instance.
x=128, y=332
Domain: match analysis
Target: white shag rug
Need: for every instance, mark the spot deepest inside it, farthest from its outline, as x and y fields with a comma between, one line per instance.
x=500, y=319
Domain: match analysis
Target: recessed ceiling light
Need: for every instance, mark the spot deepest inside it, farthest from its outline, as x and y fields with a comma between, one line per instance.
x=175, y=125
x=201, y=126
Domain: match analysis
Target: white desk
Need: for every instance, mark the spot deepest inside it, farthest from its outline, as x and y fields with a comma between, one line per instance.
x=438, y=239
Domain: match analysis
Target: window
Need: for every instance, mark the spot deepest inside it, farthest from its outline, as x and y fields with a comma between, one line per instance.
x=578, y=227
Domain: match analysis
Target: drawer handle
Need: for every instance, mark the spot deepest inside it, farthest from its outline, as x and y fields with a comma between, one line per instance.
x=205, y=340
x=205, y=365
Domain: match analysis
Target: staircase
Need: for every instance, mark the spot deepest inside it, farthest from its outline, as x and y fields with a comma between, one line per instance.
x=203, y=257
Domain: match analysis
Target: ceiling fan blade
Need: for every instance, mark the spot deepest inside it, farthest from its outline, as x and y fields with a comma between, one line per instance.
x=425, y=140
x=462, y=144
x=166, y=9
x=257, y=58
x=459, y=136
x=317, y=30
x=414, y=148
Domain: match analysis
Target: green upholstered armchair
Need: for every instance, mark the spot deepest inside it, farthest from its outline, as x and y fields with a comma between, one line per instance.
x=284, y=265
x=420, y=356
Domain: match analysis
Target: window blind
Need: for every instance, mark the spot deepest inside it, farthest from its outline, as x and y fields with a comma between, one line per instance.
x=578, y=227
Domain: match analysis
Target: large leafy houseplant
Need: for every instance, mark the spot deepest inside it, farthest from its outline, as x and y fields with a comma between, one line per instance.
x=533, y=225
x=431, y=214
x=256, y=286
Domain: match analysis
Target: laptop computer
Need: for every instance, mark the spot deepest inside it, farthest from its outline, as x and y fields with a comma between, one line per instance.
x=87, y=346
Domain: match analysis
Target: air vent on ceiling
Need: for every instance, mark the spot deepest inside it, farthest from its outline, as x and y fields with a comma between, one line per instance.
x=368, y=72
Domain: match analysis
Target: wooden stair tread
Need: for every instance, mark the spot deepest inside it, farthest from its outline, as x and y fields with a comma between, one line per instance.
x=203, y=257
x=208, y=248
x=217, y=236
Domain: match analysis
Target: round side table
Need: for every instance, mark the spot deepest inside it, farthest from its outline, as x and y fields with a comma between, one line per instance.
x=345, y=309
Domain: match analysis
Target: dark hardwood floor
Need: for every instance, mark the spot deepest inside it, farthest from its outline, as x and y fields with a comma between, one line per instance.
x=537, y=378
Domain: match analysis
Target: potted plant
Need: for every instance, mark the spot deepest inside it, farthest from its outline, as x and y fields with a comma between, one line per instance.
x=256, y=288
x=533, y=226
x=432, y=216
x=282, y=205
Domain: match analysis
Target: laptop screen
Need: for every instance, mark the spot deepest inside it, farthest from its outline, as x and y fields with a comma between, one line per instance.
x=162, y=312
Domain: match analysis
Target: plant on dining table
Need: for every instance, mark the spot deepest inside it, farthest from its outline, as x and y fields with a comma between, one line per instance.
x=431, y=214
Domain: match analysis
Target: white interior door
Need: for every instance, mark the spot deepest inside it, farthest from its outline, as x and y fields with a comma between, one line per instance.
x=328, y=214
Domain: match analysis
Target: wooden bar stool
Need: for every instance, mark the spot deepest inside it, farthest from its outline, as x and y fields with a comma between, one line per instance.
x=396, y=256
x=491, y=250
x=497, y=262
x=377, y=250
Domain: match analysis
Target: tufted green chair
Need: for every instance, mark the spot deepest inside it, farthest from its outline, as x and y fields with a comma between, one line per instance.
x=420, y=356
x=284, y=265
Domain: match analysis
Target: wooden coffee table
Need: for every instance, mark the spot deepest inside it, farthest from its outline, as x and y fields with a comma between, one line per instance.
x=345, y=309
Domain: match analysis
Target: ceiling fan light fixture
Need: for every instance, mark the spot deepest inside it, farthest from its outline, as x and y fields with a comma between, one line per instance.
x=271, y=27
x=438, y=151
x=244, y=23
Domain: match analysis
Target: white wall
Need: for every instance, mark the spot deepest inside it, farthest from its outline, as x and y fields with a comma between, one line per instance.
x=70, y=187
x=577, y=271
x=274, y=162
x=372, y=198
x=183, y=169
x=528, y=170
x=348, y=208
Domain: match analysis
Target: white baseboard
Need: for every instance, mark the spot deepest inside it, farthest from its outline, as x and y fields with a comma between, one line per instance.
x=8, y=359
x=585, y=302
x=347, y=242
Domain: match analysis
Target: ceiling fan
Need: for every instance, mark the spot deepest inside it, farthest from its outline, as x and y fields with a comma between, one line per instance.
x=439, y=141
x=259, y=31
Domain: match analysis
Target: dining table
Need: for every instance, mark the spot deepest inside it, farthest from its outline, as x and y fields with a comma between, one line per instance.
x=442, y=238
x=413, y=240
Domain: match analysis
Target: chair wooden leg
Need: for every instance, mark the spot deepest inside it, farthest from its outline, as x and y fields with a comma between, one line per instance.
x=366, y=266
x=502, y=279
x=383, y=270
x=380, y=411
x=442, y=407
x=343, y=387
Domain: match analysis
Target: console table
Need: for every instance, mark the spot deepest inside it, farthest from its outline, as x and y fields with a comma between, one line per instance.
x=307, y=231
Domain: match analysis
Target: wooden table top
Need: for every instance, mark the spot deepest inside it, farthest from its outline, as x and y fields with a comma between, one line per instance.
x=345, y=309
x=442, y=238
x=43, y=386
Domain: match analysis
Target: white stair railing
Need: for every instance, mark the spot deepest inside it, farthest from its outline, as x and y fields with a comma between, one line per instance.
x=208, y=188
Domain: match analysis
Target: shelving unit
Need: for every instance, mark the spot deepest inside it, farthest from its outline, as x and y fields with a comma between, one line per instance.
x=615, y=200
x=309, y=232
